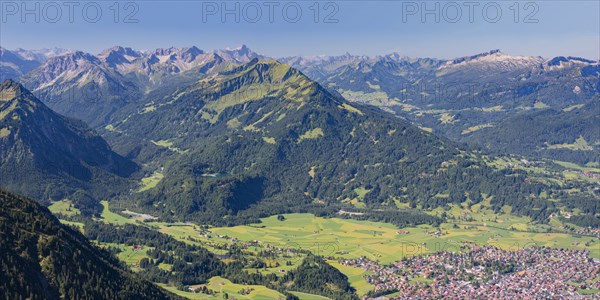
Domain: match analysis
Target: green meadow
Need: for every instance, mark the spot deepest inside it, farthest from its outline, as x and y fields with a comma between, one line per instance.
x=64, y=207
x=381, y=241
x=110, y=217
x=223, y=286
x=305, y=296
x=346, y=238
x=150, y=181
x=129, y=254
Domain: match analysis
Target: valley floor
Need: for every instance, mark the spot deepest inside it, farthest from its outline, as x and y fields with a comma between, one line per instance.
x=287, y=238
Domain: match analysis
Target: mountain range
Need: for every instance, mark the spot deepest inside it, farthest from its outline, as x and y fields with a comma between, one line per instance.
x=262, y=137
x=230, y=135
x=453, y=98
x=20, y=61
x=474, y=94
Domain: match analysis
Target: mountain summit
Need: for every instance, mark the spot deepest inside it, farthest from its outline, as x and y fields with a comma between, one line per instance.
x=279, y=142
x=47, y=155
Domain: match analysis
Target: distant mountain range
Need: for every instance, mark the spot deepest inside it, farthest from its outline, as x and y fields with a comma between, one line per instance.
x=19, y=62
x=456, y=98
x=452, y=98
x=92, y=87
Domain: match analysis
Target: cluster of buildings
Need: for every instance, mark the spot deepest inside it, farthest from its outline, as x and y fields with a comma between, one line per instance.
x=589, y=174
x=589, y=231
x=486, y=272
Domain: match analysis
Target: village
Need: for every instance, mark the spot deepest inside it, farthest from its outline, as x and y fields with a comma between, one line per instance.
x=537, y=272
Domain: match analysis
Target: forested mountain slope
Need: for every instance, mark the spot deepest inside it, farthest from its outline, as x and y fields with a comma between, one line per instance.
x=43, y=259
x=263, y=138
x=50, y=157
x=567, y=135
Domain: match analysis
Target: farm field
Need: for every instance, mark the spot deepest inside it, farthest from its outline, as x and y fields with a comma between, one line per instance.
x=336, y=238
x=188, y=295
x=340, y=238
x=66, y=208
x=379, y=241
x=131, y=255
x=355, y=277
x=382, y=242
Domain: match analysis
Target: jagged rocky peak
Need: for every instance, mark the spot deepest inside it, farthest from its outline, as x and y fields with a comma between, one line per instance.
x=559, y=60
x=190, y=53
x=10, y=89
x=164, y=51
x=242, y=49
x=119, y=55
x=72, y=60
x=66, y=66
x=187, y=54
x=173, y=50
x=241, y=54
x=125, y=51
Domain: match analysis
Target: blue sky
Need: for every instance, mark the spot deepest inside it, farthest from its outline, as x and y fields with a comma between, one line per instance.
x=545, y=28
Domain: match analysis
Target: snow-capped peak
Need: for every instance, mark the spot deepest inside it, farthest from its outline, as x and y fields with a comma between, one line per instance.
x=495, y=59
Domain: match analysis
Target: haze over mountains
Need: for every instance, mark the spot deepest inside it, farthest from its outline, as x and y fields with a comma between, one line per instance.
x=452, y=98
x=18, y=62
x=458, y=98
x=184, y=112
